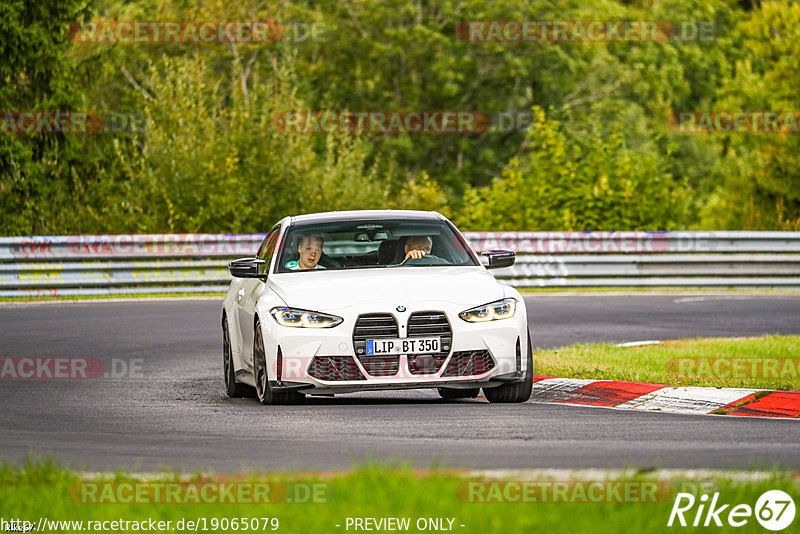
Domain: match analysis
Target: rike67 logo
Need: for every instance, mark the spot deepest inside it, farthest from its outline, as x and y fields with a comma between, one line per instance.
x=774, y=510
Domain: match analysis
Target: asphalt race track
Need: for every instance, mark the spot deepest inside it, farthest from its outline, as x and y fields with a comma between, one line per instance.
x=168, y=407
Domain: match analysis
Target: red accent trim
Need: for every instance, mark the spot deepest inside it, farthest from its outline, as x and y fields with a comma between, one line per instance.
x=610, y=393
x=776, y=404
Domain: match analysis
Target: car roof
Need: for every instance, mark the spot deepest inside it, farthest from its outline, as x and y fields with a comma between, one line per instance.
x=358, y=215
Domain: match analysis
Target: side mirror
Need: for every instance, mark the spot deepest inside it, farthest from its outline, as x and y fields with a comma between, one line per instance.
x=499, y=258
x=246, y=268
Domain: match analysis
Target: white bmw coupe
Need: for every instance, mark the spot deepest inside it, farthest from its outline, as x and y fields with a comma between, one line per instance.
x=352, y=301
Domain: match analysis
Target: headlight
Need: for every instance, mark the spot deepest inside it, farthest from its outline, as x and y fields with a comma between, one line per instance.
x=494, y=311
x=304, y=318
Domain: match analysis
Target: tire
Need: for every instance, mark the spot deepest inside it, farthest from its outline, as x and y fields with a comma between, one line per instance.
x=232, y=387
x=519, y=392
x=264, y=393
x=452, y=393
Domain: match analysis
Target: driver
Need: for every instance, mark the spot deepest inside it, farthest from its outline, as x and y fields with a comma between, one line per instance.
x=418, y=247
x=310, y=250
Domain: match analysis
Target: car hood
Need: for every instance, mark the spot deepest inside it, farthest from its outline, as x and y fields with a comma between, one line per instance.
x=331, y=290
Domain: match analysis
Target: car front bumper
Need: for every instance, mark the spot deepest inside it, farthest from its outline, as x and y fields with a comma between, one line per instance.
x=325, y=361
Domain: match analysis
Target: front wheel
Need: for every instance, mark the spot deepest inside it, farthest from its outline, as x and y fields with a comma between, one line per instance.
x=232, y=387
x=519, y=392
x=265, y=393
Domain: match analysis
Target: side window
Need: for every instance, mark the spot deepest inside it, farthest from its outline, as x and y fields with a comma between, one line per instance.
x=267, y=248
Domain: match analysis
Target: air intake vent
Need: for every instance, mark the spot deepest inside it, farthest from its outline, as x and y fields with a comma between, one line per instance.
x=335, y=368
x=469, y=363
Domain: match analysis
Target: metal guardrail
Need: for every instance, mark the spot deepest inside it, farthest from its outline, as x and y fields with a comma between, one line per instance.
x=177, y=263
x=648, y=259
x=120, y=264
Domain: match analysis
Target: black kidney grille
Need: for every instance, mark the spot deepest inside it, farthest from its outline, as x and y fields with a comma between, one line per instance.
x=335, y=368
x=425, y=324
x=372, y=326
x=469, y=363
x=431, y=323
x=375, y=326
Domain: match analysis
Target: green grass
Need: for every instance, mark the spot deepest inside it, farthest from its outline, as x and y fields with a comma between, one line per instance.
x=42, y=490
x=682, y=363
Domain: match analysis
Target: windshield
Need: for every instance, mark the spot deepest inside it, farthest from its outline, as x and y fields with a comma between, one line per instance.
x=372, y=244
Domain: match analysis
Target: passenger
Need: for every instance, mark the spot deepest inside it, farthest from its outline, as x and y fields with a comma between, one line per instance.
x=310, y=250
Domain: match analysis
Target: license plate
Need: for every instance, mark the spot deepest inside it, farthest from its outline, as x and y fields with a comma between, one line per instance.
x=417, y=345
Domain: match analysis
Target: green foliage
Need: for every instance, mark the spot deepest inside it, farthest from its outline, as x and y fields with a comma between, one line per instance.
x=422, y=193
x=204, y=165
x=572, y=180
x=39, y=174
x=758, y=179
x=210, y=160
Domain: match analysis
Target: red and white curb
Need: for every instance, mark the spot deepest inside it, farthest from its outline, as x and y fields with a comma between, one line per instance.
x=659, y=397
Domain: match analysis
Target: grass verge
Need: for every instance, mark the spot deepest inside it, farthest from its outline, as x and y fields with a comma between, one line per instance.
x=42, y=490
x=768, y=362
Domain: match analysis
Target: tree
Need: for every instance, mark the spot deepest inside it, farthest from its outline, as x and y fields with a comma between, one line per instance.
x=211, y=159
x=569, y=180
x=759, y=174
x=41, y=175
